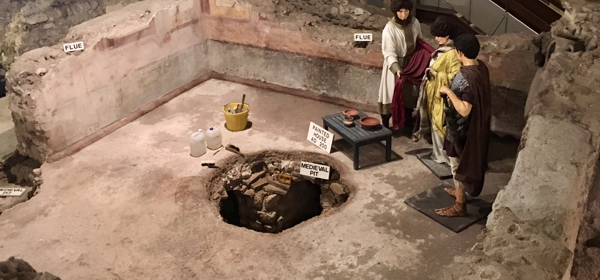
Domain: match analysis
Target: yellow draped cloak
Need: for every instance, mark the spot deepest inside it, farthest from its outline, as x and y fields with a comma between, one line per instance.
x=446, y=66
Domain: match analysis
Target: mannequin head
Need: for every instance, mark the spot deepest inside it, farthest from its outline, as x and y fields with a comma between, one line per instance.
x=445, y=30
x=401, y=10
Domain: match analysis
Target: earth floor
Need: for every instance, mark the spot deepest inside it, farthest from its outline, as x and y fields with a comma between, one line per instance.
x=134, y=205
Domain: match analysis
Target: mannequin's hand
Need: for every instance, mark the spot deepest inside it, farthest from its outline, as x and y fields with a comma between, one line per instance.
x=432, y=73
x=428, y=74
x=444, y=90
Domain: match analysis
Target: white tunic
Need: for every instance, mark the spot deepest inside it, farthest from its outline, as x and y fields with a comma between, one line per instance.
x=394, y=47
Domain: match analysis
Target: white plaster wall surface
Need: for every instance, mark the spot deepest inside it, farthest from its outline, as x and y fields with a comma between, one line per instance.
x=328, y=77
x=120, y=70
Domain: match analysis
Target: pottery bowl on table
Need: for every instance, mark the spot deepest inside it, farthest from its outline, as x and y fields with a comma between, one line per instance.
x=350, y=113
x=369, y=122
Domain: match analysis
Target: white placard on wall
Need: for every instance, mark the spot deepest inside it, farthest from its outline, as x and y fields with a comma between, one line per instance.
x=320, y=137
x=71, y=47
x=363, y=37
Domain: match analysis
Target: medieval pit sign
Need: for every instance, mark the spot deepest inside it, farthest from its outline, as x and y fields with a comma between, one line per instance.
x=320, y=137
x=314, y=170
x=71, y=47
x=11, y=191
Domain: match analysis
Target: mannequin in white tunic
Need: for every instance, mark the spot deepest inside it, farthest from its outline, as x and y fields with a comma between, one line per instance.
x=398, y=44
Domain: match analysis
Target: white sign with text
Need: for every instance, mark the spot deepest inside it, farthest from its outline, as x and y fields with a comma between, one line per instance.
x=314, y=170
x=363, y=37
x=71, y=47
x=11, y=191
x=320, y=137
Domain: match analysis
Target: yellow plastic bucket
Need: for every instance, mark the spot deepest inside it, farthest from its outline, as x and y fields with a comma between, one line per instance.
x=236, y=122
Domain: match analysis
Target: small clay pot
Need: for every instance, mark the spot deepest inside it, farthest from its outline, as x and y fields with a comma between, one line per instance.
x=369, y=122
x=348, y=121
x=350, y=113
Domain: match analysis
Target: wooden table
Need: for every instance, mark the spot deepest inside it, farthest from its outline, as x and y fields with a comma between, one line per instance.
x=359, y=136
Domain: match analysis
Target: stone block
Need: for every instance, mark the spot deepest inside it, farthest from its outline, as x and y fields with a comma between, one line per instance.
x=337, y=189
x=327, y=200
x=49, y=25
x=249, y=193
x=16, y=269
x=256, y=225
x=259, y=184
x=516, y=242
x=45, y=276
x=512, y=249
x=35, y=19
x=258, y=199
x=271, y=229
x=270, y=188
x=254, y=177
x=267, y=217
x=547, y=182
x=94, y=4
x=271, y=202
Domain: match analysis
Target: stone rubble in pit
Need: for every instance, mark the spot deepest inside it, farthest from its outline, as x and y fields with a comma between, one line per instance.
x=19, y=269
x=260, y=201
x=17, y=171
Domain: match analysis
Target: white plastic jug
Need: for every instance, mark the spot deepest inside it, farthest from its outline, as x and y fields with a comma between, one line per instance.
x=213, y=138
x=197, y=144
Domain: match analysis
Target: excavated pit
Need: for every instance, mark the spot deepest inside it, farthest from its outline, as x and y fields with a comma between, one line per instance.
x=265, y=192
x=18, y=172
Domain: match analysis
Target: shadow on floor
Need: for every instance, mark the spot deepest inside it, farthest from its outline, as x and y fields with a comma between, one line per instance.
x=501, y=148
x=248, y=126
x=369, y=155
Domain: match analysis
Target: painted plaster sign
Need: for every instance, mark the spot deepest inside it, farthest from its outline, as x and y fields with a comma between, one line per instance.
x=315, y=170
x=320, y=137
x=11, y=191
x=230, y=8
x=363, y=37
x=71, y=47
x=229, y=4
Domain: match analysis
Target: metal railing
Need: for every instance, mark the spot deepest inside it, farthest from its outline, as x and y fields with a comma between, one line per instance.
x=490, y=17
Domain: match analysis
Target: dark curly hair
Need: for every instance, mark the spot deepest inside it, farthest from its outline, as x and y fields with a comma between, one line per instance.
x=444, y=26
x=401, y=4
x=468, y=44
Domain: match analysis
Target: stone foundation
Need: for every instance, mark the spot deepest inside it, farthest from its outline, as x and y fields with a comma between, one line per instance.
x=266, y=192
x=586, y=262
x=553, y=177
x=42, y=23
x=19, y=269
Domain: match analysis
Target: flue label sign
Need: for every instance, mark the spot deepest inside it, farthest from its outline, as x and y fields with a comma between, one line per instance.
x=71, y=47
x=320, y=137
x=314, y=170
x=363, y=37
